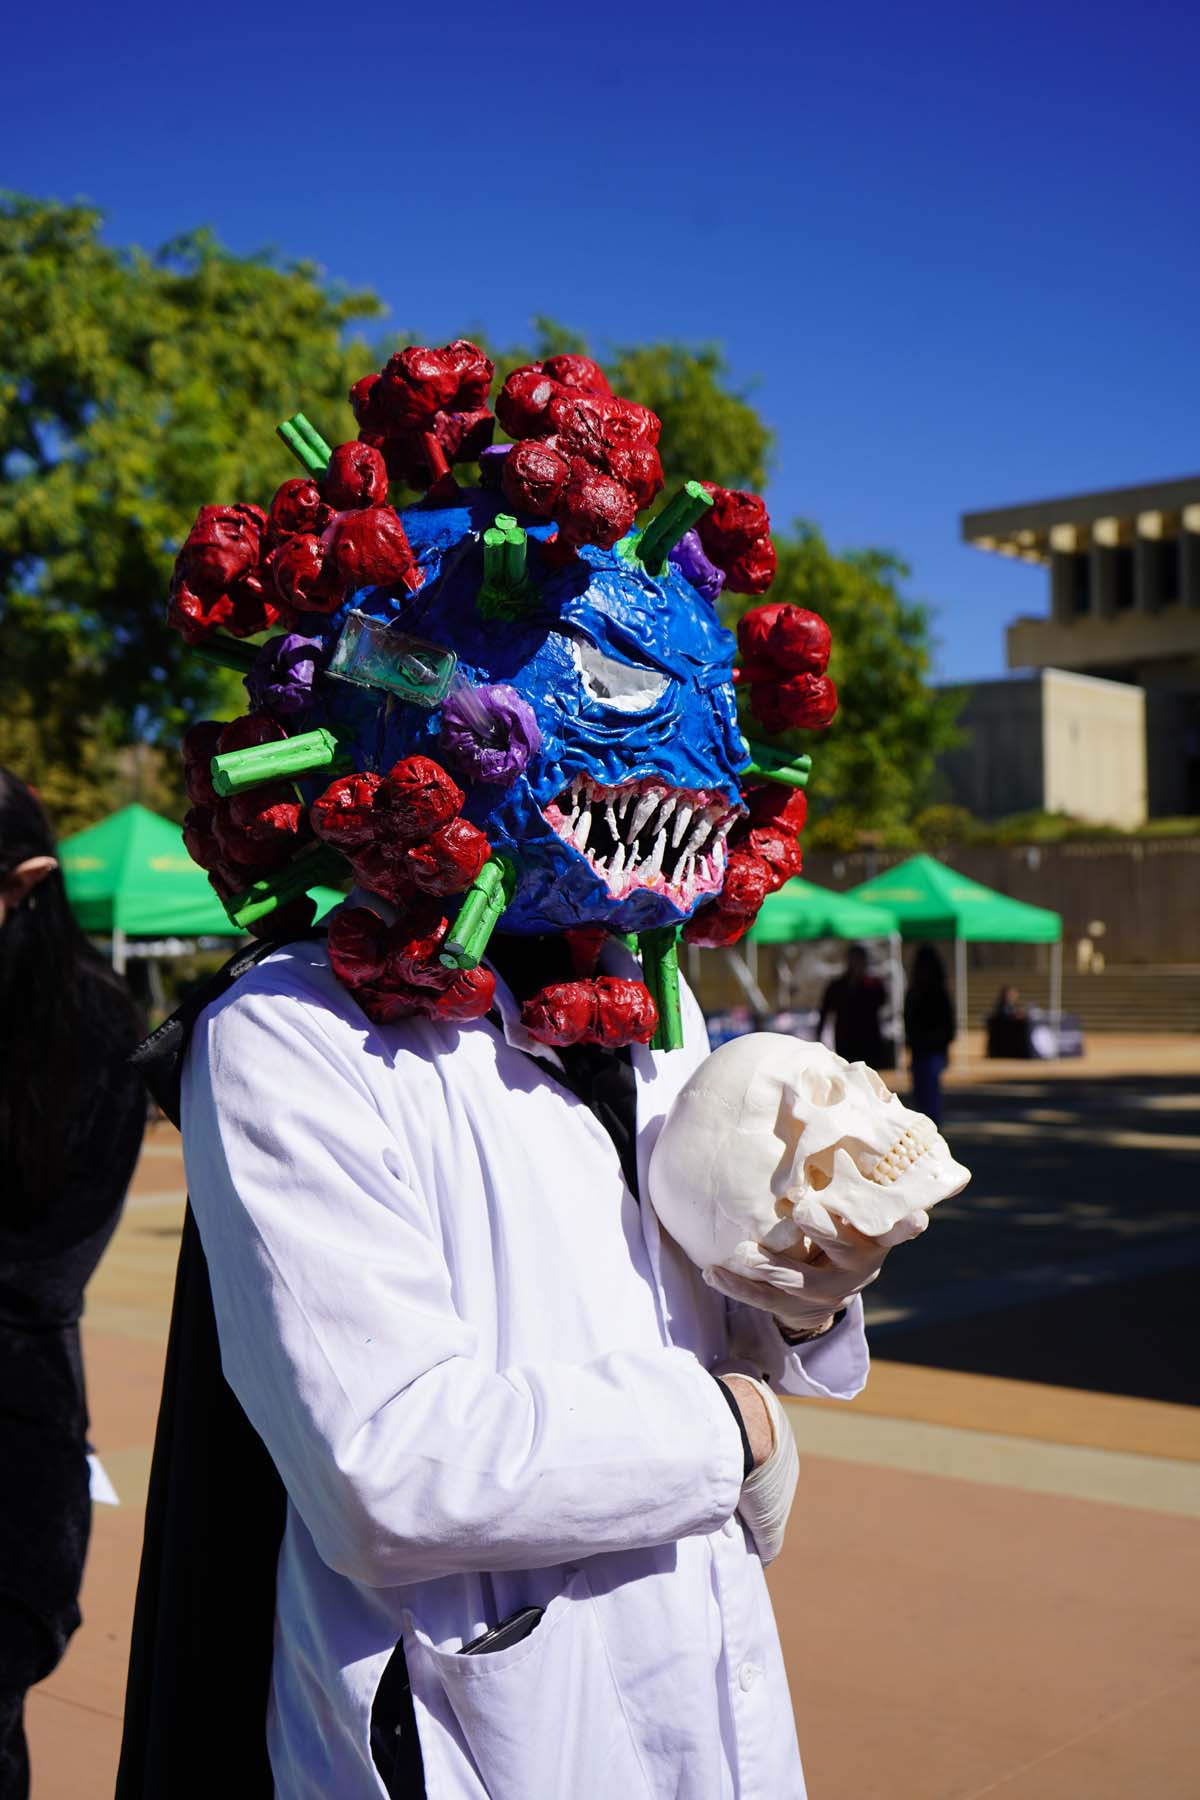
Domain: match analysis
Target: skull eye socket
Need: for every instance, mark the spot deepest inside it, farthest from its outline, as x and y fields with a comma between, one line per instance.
x=878, y=1085
x=819, y=1089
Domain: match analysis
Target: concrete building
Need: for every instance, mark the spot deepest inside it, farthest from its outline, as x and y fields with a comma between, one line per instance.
x=1052, y=742
x=1124, y=606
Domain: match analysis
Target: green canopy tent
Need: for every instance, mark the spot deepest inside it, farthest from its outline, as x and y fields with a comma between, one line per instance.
x=130, y=876
x=801, y=912
x=931, y=901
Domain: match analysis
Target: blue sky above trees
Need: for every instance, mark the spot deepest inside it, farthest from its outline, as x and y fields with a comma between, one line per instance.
x=948, y=248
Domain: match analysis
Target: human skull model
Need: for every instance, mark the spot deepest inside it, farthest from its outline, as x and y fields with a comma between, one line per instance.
x=774, y=1141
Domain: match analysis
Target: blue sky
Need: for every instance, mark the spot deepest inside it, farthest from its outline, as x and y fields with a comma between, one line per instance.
x=950, y=249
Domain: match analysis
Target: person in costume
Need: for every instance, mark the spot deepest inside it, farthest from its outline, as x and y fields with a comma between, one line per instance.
x=72, y=1113
x=519, y=1465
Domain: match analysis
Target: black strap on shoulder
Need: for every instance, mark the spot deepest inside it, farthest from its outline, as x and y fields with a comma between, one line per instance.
x=159, y=1059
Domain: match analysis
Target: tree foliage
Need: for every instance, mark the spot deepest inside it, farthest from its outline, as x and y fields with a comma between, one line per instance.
x=136, y=386
x=874, y=764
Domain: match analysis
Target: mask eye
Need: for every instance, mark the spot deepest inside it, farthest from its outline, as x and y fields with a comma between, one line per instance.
x=616, y=684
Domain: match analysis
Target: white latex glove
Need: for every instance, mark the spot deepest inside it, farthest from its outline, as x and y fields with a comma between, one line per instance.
x=802, y=1290
x=768, y=1491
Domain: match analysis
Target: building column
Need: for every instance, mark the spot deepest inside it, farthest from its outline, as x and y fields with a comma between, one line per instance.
x=1189, y=557
x=1062, y=587
x=1104, y=580
x=1147, y=563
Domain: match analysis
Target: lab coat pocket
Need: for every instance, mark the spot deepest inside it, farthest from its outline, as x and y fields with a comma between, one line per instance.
x=543, y=1718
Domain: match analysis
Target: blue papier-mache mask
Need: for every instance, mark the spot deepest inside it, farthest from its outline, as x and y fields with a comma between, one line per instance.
x=619, y=818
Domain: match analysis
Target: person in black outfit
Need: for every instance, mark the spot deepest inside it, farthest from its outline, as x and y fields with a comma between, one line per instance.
x=72, y=1111
x=929, y=1030
x=855, y=999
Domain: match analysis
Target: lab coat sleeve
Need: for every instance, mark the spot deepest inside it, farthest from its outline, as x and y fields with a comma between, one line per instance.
x=832, y=1367
x=407, y=1456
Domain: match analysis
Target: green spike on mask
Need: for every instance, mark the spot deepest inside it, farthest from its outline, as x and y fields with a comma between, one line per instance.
x=286, y=759
x=506, y=590
x=320, y=867
x=667, y=527
x=482, y=905
x=660, y=971
x=305, y=443
x=767, y=764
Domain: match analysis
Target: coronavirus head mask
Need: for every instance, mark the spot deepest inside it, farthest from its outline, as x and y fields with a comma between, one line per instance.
x=502, y=703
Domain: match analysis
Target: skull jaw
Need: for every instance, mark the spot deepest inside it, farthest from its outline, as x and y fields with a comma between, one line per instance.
x=891, y=1213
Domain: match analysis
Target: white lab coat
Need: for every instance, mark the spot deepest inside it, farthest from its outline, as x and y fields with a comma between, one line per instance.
x=482, y=1375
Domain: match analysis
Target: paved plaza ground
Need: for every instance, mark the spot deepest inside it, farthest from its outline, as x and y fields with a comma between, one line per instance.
x=991, y=1578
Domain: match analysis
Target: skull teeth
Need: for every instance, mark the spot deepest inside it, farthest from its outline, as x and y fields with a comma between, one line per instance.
x=643, y=834
x=908, y=1149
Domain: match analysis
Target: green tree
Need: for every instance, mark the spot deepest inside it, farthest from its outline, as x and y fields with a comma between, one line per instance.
x=873, y=765
x=133, y=388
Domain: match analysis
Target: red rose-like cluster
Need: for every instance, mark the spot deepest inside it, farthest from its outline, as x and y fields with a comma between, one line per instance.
x=735, y=534
x=329, y=537
x=583, y=457
x=242, y=570
x=239, y=839
x=402, y=832
x=426, y=410
x=784, y=652
x=764, y=852
x=219, y=581
x=606, y=1011
x=393, y=970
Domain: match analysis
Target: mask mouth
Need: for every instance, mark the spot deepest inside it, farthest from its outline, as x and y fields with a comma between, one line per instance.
x=643, y=834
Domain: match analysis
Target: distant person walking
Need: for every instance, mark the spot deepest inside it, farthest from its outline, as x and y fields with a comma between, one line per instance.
x=71, y=1119
x=855, y=1000
x=929, y=1030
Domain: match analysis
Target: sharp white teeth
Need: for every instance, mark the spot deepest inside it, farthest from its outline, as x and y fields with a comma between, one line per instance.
x=583, y=828
x=683, y=819
x=641, y=813
x=668, y=807
x=624, y=801
x=616, y=867
x=610, y=818
x=686, y=877
x=723, y=830
x=654, y=866
x=699, y=833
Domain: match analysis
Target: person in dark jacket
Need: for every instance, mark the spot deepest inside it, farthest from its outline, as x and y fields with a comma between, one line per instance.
x=929, y=1030
x=854, y=1000
x=72, y=1112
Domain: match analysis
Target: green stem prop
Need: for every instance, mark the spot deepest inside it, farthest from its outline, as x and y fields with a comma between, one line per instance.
x=314, y=868
x=767, y=764
x=479, y=914
x=505, y=590
x=665, y=530
x=305, y=443
x=660, y=971
x=285, y=760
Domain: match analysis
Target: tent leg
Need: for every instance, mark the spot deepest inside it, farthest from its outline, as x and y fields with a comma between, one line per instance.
x=119, y=958
x=897, y=973
x=960, y=998
x=745, y=979
x=1056, y=993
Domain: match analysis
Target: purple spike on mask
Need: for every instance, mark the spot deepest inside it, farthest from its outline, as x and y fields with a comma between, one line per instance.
x=281, y=679
x=489, y=733
x=689, y=558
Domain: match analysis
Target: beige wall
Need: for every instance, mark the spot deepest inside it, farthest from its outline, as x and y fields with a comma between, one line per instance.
x=1094, y=748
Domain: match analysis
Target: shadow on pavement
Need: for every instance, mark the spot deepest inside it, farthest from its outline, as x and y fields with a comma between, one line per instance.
x=1072, y=1257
